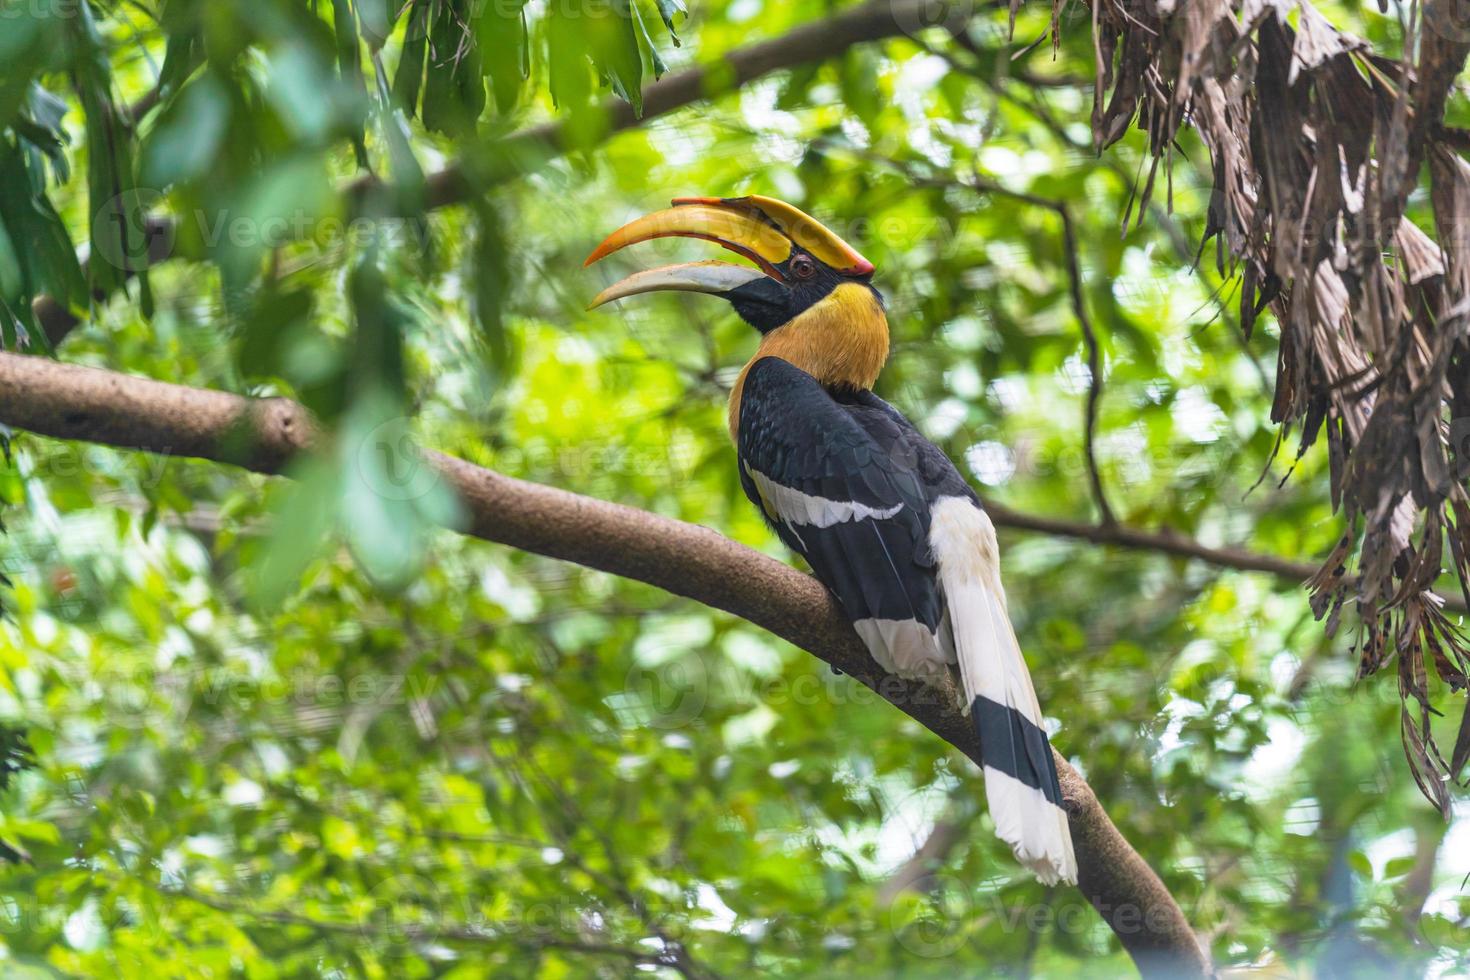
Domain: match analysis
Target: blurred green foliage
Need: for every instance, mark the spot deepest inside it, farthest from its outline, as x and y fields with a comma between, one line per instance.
x=287, y=729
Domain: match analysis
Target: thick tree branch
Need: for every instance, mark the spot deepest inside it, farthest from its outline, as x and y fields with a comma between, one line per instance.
x=70, y=402
x=524, y=151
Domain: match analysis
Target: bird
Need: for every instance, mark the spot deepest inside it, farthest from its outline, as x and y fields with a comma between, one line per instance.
x=881, y=515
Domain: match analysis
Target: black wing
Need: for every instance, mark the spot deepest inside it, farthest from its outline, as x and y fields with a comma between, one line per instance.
x=842, y=482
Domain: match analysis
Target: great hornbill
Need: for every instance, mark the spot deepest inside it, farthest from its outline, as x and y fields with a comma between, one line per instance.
x=884, y=519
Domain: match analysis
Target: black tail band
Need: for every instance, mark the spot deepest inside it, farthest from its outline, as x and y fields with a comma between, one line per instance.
x=1017, y=746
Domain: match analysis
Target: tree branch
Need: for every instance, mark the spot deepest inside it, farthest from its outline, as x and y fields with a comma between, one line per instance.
x=1165, y=542
x=980, y=184
x=435, y=932
x=1170, y=542
x=1107, y=530
x=70, y=402
x=819, y=40
x=521, y=152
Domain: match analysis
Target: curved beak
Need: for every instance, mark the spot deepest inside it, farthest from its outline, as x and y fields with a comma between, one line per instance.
x=740, y=232
x=762, y=229
x=716, y=278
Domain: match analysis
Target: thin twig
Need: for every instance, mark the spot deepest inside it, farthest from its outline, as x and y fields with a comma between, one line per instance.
x=399, y=932
x=1084, y=323
x=504, y=159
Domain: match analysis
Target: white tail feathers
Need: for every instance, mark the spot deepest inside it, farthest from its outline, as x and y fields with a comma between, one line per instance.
x=1020, y=774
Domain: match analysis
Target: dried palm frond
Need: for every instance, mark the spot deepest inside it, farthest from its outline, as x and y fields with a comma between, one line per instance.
x=1315, y=144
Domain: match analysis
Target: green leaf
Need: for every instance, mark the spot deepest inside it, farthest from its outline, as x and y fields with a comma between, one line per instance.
x=12, y=277
x=1398, y=867
x=301, y=532
x=41, y=126
x=189, y=134
x=648, y=46
x=503, y=39
x=267, y=332
x=390, y=491
x=454, y=89
x=293, y=193
x=16, y=754
x=181, y=55
x=667, y=9
x=489, y=274
x=47, y=262
x=615, y=50
x=405, y=171
x=408, y=78
x=376, y=18
x=567, y=61
x=27, y=44
x=116, y=209
x=377, y=348
x=349, y=67
x=57, y=272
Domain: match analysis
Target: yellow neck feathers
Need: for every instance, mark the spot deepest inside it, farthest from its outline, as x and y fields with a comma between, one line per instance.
x=841, y=340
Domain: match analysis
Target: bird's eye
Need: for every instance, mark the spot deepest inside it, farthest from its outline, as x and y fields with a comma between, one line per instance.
x=803, y=267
